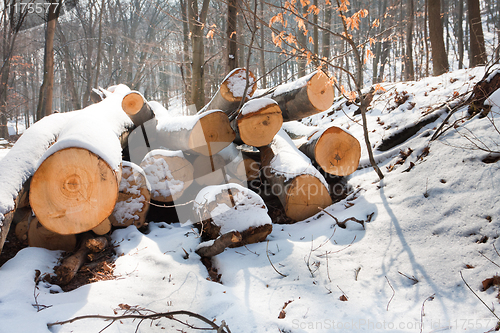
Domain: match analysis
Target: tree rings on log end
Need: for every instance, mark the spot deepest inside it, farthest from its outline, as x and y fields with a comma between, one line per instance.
x=132, y=103
x=259, y=128
x=337, y=152
x=320, y=91
x=305, y=193
x=73, y=191
x=211, y=134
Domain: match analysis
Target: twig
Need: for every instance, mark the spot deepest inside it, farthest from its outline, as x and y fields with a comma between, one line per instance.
x=343, y=293
x=152, y=316
x=171, y=206
x=393, y=292
x=330, y=252
x=327, y=270
x=478, y=296
x=430, y=298
x=267, y=253
x=413, y=278
x=494, y=263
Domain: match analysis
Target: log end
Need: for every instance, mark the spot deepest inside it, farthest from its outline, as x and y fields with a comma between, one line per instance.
x=320, y=91
x=232, y=87
x=304, y=195
x=73, y=191
x=259, y=128
x=132, y=103
x=338, y=152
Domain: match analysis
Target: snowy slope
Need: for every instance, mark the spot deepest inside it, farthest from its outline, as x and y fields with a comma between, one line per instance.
x=400, y=272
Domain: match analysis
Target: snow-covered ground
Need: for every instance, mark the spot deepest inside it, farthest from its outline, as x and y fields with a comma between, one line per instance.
x=400, y=272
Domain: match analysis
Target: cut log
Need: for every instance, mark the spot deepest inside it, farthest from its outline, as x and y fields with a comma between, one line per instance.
x=39, y=236
x=97, y=244
x=103, y=228
x=133, y=200
x=336, y=151
x=239, y=165
x=258, y=121
x=73, y=191
x=136, y=107
x=206, y=133
x=230, y=93
x=217, y=246
x=21, y=220
x=304, y=97
x=226, y=208
x=168, y=172
x=300, y=188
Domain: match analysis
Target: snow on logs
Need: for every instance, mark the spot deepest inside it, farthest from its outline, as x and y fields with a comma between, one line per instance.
x=168, y=172
x=232, y=216
x=294, y=180
x=336, y=151
x=230, y=93
x=258, y=121
x=133, y=200
x=304, y=97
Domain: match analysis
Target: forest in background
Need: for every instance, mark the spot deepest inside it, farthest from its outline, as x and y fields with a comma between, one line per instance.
x=178, y=52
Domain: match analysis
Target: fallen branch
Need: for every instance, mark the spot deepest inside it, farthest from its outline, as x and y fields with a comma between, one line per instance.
x=478, y=296
x=267, y=253
x=393, y=293
x=153, y=316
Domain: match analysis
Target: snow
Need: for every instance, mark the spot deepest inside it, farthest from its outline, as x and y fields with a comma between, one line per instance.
x=236, y=83
x=299, y=83
x=429, y=223
x=296, y=129
x=494, y=99
x=255, y=105
x=159, y=175
x=177, y=123
x=129, y=183
x=96, y=128
x=249, y=210
x=289, y=161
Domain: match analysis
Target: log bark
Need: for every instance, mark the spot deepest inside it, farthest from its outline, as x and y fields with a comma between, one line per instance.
x=39, y=236
x=336, y=151
x=73, y=191
x=300, y=188
x=304, y=97
x=219, y=244
x=258, y=122
x=206, y=133
x=228, y=97
x=169, y=174
x=70, y=266
x=132, y=204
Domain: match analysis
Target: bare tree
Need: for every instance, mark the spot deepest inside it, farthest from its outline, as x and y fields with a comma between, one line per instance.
x=477, y=50
x=439, y=58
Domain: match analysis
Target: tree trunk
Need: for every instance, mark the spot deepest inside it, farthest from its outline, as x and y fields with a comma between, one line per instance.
x=136, y=107
x=336, y=151
x=477, y=49
x=439, y=57
x=325, y=34
x=409, y=67
x=460, y=34
x=185, y=68
x=262, y=59
x=231, y=35
x=304, y=97
x=196, y=23
x=298, y=185
x=47, y=88
x=75, y=100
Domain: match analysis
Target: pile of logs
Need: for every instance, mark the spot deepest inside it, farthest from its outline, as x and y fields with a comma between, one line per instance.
x=145, y=155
